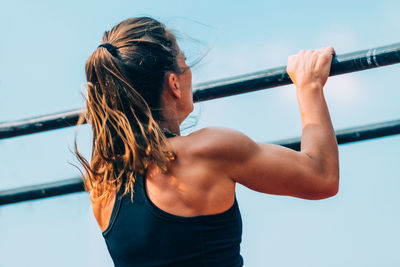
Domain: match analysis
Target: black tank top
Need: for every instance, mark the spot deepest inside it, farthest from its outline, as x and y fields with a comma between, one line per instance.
x=141, y=234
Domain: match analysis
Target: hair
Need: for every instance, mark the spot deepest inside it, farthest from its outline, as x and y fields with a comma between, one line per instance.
x=124, y=85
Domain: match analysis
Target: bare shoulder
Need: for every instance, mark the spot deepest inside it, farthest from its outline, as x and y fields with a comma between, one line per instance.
x=219, y=133
x=220, y=142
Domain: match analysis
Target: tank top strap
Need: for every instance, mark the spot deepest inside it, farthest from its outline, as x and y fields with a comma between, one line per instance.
x=139, y=180
x=114, y=213
x=138, y=192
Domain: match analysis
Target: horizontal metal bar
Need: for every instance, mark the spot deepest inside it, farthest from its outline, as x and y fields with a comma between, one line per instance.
x=354, y=134
x=41, y=191
x=341, y=64
x=76, y=185
x=351, y=62
x=39, y=124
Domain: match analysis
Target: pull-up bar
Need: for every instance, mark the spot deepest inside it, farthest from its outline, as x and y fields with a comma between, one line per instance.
x=351, y=62
x=76, y=185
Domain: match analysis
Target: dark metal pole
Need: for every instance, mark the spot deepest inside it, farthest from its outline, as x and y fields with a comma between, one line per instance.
x=354, y=134
x=76, y=185
x=41, y=191
x=341, y=64
x=39, y=124
x=351, y=62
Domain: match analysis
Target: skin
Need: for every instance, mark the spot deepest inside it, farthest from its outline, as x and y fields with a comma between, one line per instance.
x=202, y=180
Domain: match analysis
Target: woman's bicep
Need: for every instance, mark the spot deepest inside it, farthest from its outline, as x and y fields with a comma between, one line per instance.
x=265, y=168
x=274, y=169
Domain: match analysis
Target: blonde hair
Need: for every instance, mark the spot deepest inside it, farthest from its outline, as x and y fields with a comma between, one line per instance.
x=124, y=84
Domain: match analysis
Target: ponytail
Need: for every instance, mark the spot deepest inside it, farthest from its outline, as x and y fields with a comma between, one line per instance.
x=123, y=105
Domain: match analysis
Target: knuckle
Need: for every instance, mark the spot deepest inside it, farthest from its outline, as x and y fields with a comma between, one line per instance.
x=329, y=49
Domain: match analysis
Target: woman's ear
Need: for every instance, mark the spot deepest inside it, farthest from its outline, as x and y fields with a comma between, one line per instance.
x=173, y=85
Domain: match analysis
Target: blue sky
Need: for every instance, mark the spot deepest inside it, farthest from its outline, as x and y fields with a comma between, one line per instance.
x=43, y=48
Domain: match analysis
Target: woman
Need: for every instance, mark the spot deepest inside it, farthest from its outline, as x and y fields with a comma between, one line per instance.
x=162, y=199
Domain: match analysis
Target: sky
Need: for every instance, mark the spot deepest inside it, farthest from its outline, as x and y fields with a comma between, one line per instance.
x=43, y=48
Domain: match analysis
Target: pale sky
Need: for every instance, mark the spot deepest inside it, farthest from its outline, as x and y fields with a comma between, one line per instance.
x=43, y=48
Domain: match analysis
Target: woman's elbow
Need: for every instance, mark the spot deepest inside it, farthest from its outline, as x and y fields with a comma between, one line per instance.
x=329, y=187
x=333, y=187
x=323, y=186
x=324, y=177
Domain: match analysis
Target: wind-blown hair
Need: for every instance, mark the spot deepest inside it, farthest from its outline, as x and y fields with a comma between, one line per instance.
x=124, y=84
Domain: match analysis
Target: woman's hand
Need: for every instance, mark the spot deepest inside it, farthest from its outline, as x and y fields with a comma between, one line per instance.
x=310, y=68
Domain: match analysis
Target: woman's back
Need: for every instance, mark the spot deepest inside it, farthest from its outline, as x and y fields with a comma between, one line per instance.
x=141, y=234
x=191, y=187
x=168, y=221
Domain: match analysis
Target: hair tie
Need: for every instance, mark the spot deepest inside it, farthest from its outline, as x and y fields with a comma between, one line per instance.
x=112, y=49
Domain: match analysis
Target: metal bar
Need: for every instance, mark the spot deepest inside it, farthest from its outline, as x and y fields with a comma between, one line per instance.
x=76, y=185
x=341, y=64
x=41, y=191
x=351, y=62
x=355, y=134
x=39, y=124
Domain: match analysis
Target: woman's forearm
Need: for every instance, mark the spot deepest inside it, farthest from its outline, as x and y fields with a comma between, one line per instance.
x=318, y=138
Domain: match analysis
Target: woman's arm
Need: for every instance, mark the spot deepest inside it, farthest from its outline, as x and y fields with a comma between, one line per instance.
x=312, y=173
